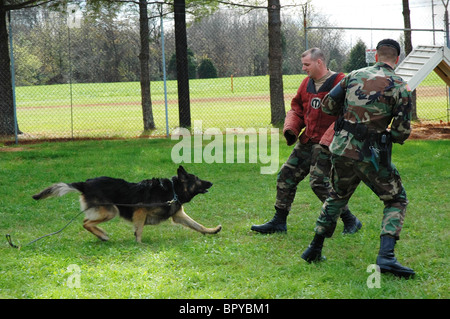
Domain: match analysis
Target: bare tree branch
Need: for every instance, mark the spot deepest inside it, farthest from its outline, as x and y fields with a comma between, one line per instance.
x=255, y=6
x=26, y=4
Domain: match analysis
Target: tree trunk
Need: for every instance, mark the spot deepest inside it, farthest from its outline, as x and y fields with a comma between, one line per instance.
x=408, y=49
x=277, y=107
x=6, y=90
x=184, y=107
x=144, y=58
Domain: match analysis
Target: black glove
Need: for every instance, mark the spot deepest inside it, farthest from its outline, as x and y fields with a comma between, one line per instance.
x=290, y=137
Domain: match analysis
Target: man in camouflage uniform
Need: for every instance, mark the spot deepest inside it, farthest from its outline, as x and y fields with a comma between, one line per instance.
x=306, y=114
x=370, y=99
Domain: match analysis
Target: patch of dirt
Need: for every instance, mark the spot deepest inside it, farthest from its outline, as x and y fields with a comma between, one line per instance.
x=420, y=131
x=432, y=91
x=434, y=131
x=12, y=149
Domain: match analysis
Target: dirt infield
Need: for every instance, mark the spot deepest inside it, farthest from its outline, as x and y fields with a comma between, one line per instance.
x=435, y=131
x=432, y=91
x=420, y=131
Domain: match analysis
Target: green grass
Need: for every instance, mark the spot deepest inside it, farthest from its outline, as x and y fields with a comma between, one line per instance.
x=113, y=109
x=433, y=80
x=432, y=99
x=175, y=262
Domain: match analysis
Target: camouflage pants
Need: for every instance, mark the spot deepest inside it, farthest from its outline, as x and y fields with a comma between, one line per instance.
x=310, y=158
x=346, y=174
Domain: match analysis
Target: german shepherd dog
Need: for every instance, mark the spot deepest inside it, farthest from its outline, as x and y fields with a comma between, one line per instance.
x=148, y=202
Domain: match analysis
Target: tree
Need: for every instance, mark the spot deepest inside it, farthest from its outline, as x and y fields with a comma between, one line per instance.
x=192, y=67
x=179, y=6
x=6, y=100
x=6, y=89
x=144, y=58
x=199, y=8
x=408, y=49
x=144, y=55
x=206, y=69
x=184, y=106
x=239, y=45
x=357, y=59
x=278, y=112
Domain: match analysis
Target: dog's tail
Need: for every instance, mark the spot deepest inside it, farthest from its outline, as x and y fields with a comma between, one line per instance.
x=59, y=189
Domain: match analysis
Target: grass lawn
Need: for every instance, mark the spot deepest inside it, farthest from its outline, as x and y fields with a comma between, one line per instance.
x=175, y=262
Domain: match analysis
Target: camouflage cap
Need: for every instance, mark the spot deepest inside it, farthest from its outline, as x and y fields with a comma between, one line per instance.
x=390, y=43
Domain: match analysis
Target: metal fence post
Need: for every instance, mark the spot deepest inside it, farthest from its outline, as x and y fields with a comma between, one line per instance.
x=164, y=72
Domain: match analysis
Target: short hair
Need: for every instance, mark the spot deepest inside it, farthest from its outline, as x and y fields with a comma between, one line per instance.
x=315, y=53
x=388, y=50
x=389, y=43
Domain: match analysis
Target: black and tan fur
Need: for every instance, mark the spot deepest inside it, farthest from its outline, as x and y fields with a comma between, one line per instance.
x=148, y=202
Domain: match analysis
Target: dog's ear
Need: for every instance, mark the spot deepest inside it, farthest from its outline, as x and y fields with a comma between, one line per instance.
x=181, y=171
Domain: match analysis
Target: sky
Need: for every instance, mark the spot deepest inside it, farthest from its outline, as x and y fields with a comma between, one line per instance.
x=381, y=14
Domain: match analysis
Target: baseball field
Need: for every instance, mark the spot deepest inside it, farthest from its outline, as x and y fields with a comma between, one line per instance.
x=114, y=109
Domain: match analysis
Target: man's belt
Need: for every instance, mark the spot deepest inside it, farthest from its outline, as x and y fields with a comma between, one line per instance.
x=362, y=133
x=358, y=130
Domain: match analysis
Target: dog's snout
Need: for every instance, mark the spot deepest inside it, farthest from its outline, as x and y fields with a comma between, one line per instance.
x=205, y=186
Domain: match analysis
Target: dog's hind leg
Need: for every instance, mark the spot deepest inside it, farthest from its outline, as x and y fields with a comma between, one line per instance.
x=139, y=218
x=90, y=225
x=97, y=215
x=182, y=218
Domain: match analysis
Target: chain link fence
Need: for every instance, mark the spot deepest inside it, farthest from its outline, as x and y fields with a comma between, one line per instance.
x=81, y=79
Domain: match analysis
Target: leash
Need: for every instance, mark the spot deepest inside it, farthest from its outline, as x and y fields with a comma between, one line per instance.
x=168, y=203
x=8, y=236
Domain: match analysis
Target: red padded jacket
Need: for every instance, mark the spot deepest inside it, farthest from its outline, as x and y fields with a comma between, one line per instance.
x=306, y=112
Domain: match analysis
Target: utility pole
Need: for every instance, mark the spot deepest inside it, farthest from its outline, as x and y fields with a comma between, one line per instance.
x=446, y=22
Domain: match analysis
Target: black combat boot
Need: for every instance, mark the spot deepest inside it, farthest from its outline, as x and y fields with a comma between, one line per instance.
x=386, y=259
x=314, y=251
x=351, y=223
x=276, y=225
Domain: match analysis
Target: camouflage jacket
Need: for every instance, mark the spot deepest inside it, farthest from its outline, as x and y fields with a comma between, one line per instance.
x=374, y=96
